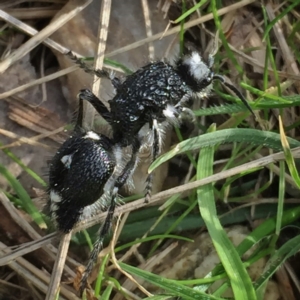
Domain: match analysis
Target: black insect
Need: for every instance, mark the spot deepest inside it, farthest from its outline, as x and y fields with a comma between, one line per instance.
x=84, y=178
x=153, y=94
x=88, y=170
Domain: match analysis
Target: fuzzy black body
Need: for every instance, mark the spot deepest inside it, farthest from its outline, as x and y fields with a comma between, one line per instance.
x=78, y=173
x=143, y=97
x=155, y=93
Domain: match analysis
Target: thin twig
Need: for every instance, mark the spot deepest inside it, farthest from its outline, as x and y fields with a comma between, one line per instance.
x=43, y=34
x=89, y=115
x=98, y=64
x=29, y=272
x=177, y=29
x=158, y=198
x=149, y=32
x=58, y=267
x=114, y=259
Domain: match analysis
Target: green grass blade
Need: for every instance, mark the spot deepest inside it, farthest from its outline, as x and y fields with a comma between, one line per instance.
x=190, y=11
x=100, y=276
x=171, y=286
x=288, y=155
x=25, y=168
x=107, y=293
x=239, y=107
x=240, y=135
x=239, y=278
x=280, y=16
x=289, y=249
x=159, y=297
x=27, y=203
x=268, y=227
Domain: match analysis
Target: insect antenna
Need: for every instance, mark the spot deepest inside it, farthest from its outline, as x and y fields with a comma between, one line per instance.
x=79, y=61
x=235, y=90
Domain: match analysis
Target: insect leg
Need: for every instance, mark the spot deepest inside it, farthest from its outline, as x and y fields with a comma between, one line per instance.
x=99, y=243
x=87, y=95
x=79, y=120
x=155, y=152
x=119, y=182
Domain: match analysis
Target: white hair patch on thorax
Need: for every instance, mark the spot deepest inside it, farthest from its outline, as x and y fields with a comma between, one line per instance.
x=92, y=135
x=170, y=112
x=197, y=67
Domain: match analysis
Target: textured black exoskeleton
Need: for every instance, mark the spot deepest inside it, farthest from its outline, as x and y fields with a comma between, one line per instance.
x=153, y=94
x=89, y=168
x=84, y=178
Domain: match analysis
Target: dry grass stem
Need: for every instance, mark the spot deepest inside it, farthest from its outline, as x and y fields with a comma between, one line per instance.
x=54, y=285
x=177, y=29
x=115, y=262
x=89, y=115
x=99, y=57
x=158, y=198
x=38, y=81
x=21, y=140
x=148, y=28
x=32, y=274
x=42, y=35
x=32, y=141
x=147, y=266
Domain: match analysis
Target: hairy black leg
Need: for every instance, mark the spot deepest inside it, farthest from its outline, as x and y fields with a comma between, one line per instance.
x=131, y=164
x=155, y=152
x=79, y=120
x=119, y=182
x=87, y=95
x=99, y=73
x=235, y=90
x=106, y=226
x=185, y=113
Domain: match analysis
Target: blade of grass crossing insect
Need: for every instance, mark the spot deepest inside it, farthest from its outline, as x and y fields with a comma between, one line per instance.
x=288, y=155
x=267, y=95
x=172, y=286
x=238, y=276
x=263, y=103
